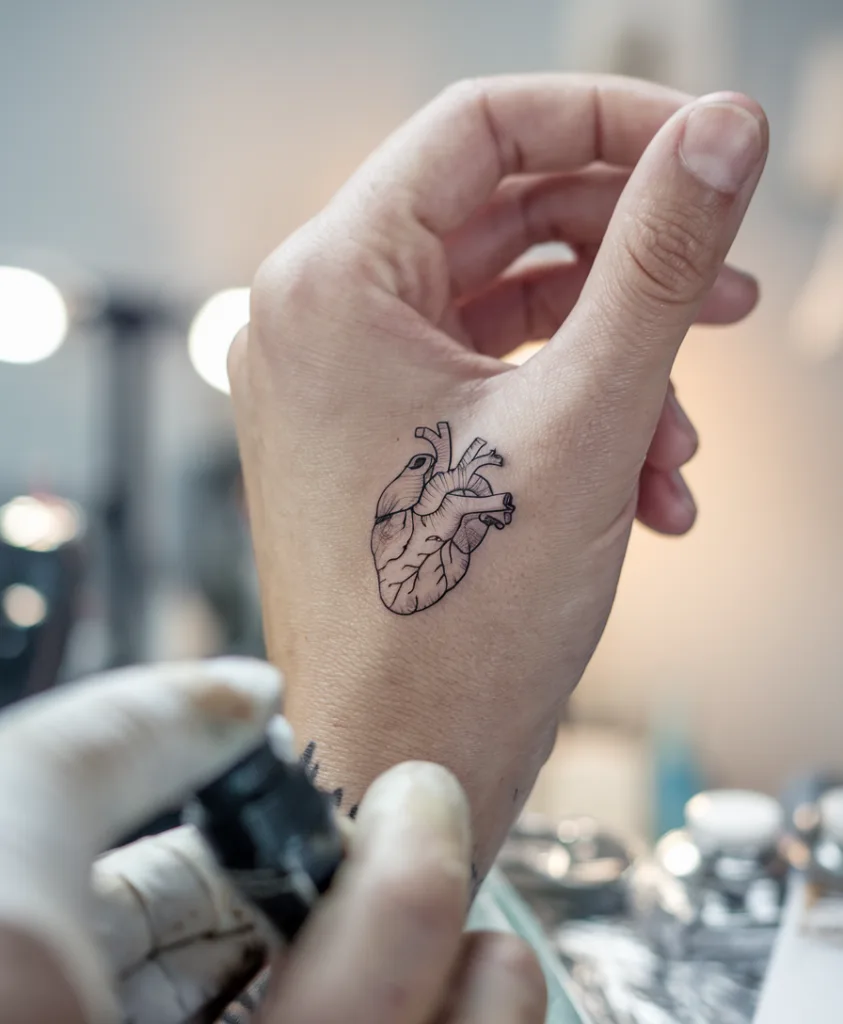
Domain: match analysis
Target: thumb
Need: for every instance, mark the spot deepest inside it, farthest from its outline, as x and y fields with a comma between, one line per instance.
x=667, y=241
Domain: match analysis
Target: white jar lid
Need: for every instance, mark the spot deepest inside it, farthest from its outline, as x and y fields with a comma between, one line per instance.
x=831, y=813
x=734, y=821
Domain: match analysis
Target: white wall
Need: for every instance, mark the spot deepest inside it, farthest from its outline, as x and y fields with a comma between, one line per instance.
x=173, y=145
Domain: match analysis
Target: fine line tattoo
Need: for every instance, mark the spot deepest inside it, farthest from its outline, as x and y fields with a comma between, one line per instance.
x=312, y=766
x=430, y=519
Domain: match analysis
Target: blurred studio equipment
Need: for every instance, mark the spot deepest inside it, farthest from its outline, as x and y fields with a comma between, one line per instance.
x=38, y=310
x=566, y=869
x=41, y=570
x=680, y=931
x=805, y=977
x=218, y=551
x=715, y=887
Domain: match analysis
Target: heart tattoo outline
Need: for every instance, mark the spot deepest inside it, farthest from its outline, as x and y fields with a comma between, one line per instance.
x=430, y=519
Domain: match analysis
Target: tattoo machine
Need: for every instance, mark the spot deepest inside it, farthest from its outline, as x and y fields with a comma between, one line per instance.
x=274, y=834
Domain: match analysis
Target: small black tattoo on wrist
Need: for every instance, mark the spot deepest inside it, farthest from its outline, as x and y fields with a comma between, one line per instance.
x=311, y=767
x=430, y=519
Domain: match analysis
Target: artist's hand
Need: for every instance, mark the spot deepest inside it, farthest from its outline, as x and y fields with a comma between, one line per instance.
x=427, y=596
x=386, y=945
x=155, y=935
x=155, y=931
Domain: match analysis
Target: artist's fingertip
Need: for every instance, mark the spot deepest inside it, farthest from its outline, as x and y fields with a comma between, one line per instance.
x=414, y=807
x=281, y=738
x=347, y=827
x=260, y=681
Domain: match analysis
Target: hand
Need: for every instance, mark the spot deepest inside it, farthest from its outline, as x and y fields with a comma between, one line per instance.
x=81, y=766
x=386, y=945
x=444, y=611
x=158, y=935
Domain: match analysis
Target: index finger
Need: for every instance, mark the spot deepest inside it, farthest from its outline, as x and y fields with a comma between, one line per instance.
x=446, y=161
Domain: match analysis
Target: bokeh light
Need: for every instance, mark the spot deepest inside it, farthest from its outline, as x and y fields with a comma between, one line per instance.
x=39, y=524
x=24, y=606
x=213, y=329
x=33, y=316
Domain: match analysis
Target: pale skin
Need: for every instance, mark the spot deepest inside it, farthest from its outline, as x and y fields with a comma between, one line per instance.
x=389, y=310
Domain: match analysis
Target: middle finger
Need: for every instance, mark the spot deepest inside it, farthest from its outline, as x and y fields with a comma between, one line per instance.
x=527, y=211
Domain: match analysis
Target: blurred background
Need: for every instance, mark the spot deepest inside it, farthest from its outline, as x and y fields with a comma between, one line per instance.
x=153, y=153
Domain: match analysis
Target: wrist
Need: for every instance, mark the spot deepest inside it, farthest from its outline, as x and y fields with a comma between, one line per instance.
x=349, y=733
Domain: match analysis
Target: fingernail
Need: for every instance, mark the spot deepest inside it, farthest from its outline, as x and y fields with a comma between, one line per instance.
x=681, y=418
x=721, y=145
x=415, y=810
x=681, y=491
x=259, y=680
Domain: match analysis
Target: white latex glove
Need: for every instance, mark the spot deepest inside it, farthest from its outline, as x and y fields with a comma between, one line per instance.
x=155, y=932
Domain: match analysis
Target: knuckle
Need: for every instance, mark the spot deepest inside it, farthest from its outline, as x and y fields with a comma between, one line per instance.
x=291, y=275
x=405, y=259
x=671, y=249
x=463, y=93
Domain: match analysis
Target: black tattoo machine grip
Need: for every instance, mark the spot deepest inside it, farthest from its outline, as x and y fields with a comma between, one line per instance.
x=274, y=834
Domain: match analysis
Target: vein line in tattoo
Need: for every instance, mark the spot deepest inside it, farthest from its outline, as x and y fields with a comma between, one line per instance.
x=431, y=518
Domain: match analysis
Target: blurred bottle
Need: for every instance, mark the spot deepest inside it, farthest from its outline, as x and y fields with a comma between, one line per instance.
x=715, y=887
x=825, y=868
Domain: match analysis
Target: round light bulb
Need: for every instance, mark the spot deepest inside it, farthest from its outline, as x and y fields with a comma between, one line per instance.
x=33, y=316
x=213, y=330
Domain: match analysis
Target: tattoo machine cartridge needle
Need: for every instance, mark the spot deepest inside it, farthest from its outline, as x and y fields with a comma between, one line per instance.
x=274, y=834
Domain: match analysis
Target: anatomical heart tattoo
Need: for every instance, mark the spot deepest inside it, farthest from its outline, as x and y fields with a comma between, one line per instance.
x=430, y=519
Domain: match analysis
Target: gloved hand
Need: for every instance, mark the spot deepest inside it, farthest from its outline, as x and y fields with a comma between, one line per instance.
x=153, y=934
